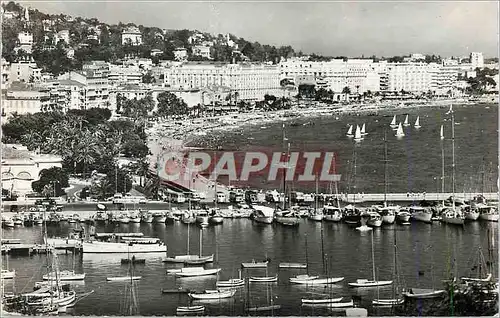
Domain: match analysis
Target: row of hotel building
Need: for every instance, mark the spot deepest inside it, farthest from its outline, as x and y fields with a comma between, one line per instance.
x=204, y=83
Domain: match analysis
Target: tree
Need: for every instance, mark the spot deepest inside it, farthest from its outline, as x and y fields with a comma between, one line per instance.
x=346, y=90
x=170, y=105
x=52, y=178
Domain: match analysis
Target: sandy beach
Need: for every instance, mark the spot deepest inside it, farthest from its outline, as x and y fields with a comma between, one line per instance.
x=168, y=135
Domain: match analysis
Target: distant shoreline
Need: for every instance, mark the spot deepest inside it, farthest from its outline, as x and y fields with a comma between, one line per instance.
x=168, y=135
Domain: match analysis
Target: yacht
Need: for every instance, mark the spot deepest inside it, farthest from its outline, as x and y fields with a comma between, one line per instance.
x=125, y=244
x=388, y=213
x=332, y=213
x=421, y=214
x=452, y=215
x=263, y=214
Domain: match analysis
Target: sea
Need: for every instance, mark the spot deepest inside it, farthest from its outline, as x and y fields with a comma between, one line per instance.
x=426, y=254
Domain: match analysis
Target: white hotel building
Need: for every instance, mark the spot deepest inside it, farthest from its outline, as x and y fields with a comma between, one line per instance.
x=359, y=75
x=248, y=81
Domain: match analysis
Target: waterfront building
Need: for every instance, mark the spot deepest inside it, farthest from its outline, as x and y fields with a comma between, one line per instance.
x=21, y=98
x=21, y=167
x=131, y=36
x=409, y=77
x=359, y=75
x=246, y=81
x=477, y=60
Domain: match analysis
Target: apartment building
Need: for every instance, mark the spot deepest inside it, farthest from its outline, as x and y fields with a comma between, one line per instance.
x=65, y=94
x=121, y=74
x=23, y=99
x=477, y=59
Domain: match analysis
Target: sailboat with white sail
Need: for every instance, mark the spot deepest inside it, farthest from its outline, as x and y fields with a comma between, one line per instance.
x=373, y=282
x=406, y=122
x=357, y=135
x=417, y=123
x=363, y=130
x=394, y=124
x=399, y=132
x=349, y=131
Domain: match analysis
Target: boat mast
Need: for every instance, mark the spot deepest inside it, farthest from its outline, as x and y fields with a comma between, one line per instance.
x=323, y=250
x=442, y=165
x=284, y=170
x=307, y=258
x=215, y=179
x=385, y=170
x=189, y=225
x=201, y=240
x=396, y=285
x=453, y=157
x=316, y=197
x=373, y=259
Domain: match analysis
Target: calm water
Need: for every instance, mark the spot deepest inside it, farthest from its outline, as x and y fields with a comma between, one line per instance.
x=435, y=250
x=414, y=161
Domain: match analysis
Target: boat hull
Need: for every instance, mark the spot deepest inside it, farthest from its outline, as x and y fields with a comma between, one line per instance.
x=333, y=218
x=123, y=278
x=64, y=277
x=422, y=217
x=205, y=272
x=489, y=217
x=190, y=309
x=105, y=247
x=388, y=219
x=189, y=259
x=288, y=221
x=255, y=265
x=332, y=305
x=271, y=279
x=159, y=219
x=322, y=301
x=369, y=283
x=387, y=302
x=264, y=219
x=452, y=220
x=316, y=281
x=316, y=217
x=219, y=294
x=374, y=223
x=231, y=283
x=424, y=294
x=472, y=216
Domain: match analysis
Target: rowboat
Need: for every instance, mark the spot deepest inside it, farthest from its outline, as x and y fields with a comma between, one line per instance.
x=332, y=304
x=234, y=282
x=255, y=264
x=387, y=302
x=264, y=308
x=322, y=301
x=292, y=265
x=122, y=278
x=190, y=309
x=179, y=290
x=195, y=271
x=315, y=280
x=265, y=279
x=419, y=293
x=213, y=294
x=370, y=283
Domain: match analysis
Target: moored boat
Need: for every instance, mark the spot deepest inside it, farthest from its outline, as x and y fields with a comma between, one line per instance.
x=421, y=214
x=332, y=213
x=233, y=282
x=213, y=294
x=190, y=309
x=159, y=217
x=420, y=293
x=263, y=214
x=264, y=279
x=122, y=278
x=374, y=219
x=194, y=271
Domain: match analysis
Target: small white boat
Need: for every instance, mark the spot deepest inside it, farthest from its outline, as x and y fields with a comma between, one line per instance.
x=388, y=302
x=189, y=259
x=399, y=132
x=441, y=133
x=292, y=265
x=64, y=276
x=254, y=264
x=357, y=135
x=422, y=214
x=403, y=216
x=263, y=214
x=406, y=122
x=122, y=278
x=316, y=216
x=332, y=213
x=6, y=274
x=393, y=122
x=322, y=301
x=363, y=130
x=332, y=305
x=233, y=282
x=349, y=131
x=423, y=293
x=196, y=271
x=477, y=280
x=374, y=219
x=314, y=280
x=417, y=123
x=213, y=294
x=370, y=283
x=452, y=216
x=190, y=309
x=364, y=228
x=266, y=279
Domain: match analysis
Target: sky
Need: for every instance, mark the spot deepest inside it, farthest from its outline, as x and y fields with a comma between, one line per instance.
x=447, y=28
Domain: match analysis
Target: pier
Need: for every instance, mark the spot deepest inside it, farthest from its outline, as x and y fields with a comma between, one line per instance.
x=33, y=248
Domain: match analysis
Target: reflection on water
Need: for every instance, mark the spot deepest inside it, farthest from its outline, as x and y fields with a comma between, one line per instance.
x=427, y=253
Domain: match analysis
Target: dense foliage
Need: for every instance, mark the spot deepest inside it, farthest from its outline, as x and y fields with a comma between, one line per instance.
x=85, y=139
x=52, y=179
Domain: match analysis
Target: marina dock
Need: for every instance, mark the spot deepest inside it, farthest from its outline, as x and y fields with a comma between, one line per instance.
x=408, y=197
